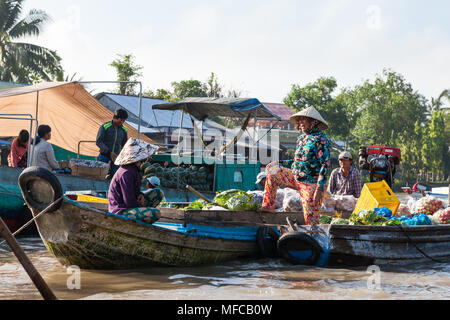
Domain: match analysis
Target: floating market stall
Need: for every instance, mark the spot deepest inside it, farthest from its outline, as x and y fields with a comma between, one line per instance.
x=74, y=116
x=214, y=168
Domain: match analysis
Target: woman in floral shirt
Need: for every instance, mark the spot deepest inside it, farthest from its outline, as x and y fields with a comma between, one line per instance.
x=309, y=170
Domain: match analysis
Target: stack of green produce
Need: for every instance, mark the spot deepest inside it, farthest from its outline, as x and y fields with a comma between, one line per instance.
x=200, y=178
x=232, y=200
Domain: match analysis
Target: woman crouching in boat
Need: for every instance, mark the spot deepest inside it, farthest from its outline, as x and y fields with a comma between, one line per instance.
x=309, y=170
x=124, y=196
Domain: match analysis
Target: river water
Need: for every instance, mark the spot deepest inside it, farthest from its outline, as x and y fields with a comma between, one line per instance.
x=237, y=280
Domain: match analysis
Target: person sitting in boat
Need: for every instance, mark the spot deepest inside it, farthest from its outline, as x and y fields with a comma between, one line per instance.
x=345, y=180
x=309, y=170
x=261, y=181
x=153, y=195
x=18, y=158
x=124, y=196
x=43, y=153
x=111, y=138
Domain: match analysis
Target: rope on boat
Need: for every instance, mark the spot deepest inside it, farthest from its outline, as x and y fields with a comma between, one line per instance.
x=418, y=249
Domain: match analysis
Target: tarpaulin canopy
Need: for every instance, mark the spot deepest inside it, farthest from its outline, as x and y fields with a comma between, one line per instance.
x=72, y=113
x=201, y=108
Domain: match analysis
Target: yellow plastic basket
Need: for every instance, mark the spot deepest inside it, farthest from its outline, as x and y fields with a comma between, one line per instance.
x=85, y=198
x=377, y=195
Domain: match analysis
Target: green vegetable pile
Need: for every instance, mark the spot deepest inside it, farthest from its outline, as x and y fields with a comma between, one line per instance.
x=324, y=219
x=199, y=177
x=233, y=200
x=340, y=221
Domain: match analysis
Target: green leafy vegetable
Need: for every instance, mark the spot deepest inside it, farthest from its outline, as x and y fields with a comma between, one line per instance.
x=324, y=219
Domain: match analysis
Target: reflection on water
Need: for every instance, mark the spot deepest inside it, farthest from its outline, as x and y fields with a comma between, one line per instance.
x=237, y=280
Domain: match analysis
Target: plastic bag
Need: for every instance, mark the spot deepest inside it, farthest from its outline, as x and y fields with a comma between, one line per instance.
x=280, y=198
x=345, y=203
x=292, y=201
x=258, y=197
x=429, y=205
x=328, y=202
x=441, y=216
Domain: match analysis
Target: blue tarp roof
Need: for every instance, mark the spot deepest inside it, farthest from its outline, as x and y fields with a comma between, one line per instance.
x=201, y=108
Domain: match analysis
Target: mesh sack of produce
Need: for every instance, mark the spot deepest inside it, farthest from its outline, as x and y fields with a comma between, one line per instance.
x=292, y=201
x=429, y=205
x=441, y=216
x=329, y=204
x=345, y=203
x=403, y=210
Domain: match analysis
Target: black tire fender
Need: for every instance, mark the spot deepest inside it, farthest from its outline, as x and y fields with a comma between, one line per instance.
x=267, y=246
x=40, y=187
x=293, y=240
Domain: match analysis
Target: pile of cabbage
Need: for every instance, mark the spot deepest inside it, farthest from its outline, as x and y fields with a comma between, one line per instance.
x=231, y=200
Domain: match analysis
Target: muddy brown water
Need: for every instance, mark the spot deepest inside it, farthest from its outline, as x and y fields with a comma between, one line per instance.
x=268, y=279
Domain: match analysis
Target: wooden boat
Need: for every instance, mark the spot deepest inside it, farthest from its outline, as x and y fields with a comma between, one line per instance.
x=82, y=235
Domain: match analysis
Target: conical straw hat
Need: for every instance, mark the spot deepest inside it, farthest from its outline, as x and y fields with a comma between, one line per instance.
x=135, y=150
x=312, y=113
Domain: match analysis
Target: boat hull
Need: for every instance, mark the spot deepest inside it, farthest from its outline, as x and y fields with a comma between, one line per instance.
x=382, y=245
x=90, y=239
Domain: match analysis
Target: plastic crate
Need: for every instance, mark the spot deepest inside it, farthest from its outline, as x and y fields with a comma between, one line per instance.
x=377, y=195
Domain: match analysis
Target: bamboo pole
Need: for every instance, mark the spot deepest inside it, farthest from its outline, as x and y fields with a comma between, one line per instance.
x=34, y=275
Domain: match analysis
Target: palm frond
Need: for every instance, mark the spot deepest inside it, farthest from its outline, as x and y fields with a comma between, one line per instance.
x=31, y=25
x=11, y=10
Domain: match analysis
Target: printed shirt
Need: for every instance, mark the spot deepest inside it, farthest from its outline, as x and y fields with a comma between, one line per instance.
x=312, y=158
x=124, y=189
x=340, y=185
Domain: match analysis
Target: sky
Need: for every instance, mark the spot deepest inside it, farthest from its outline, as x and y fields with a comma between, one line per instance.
x=260, y=48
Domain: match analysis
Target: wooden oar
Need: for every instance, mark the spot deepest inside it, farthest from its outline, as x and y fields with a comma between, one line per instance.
x=198, y=193
x=37, y=279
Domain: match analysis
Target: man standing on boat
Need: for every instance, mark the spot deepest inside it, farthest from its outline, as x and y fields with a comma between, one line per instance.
x=111, y=138
x=346, y=180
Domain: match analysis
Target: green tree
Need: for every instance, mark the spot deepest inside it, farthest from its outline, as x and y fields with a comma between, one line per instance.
x=126, y=70
x=319, y=95
x=435, y=146
x=214, y=89
x=20, y=61
x=189, y=88
x=391, y=113
x=162, y=94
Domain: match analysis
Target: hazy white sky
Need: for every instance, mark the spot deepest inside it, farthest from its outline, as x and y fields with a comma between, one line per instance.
x=259, y=47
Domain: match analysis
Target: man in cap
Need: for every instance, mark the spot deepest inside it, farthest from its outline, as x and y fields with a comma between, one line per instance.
x=153, y=195
x=345, y=180
x=124, y=196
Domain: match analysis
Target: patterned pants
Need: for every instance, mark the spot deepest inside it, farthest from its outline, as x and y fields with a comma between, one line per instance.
x=278, y=176
x=154, y=197
x=147, y=214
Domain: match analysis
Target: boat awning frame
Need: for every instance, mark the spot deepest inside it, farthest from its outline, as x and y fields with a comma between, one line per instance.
x=202, y=108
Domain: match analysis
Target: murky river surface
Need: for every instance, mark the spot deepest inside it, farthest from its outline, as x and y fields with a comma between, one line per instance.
x=236, y=280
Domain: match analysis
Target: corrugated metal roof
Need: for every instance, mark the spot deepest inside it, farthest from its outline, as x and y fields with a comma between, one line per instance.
x=154, y=118
x=281, y=110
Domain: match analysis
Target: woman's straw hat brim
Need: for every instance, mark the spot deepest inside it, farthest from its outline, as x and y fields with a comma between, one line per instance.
x=312, y=113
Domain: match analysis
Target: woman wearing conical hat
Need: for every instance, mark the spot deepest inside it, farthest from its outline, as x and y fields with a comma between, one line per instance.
x=310, y=167
x=124, y=196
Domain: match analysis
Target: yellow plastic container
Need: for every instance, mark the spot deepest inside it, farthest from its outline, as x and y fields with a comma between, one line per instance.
x=85, y=198
x=377, y=195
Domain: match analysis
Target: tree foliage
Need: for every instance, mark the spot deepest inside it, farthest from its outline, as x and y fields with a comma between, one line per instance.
x=19, y=61
x=126, y=70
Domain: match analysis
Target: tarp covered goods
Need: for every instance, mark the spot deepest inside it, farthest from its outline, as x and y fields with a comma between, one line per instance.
x=73, y=114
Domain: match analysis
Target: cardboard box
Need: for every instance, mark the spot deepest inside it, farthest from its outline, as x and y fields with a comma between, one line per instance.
x=80, y=170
